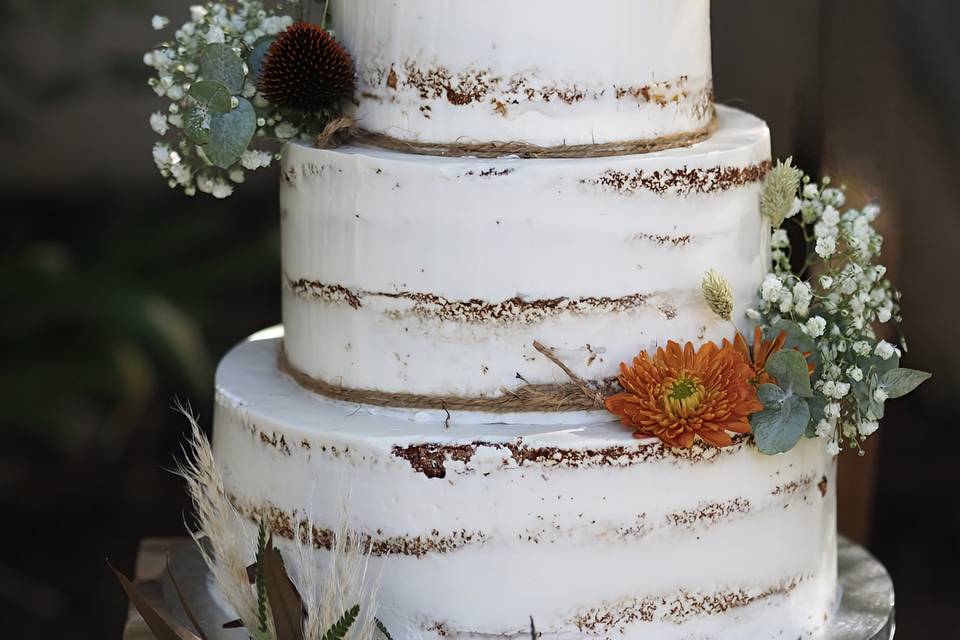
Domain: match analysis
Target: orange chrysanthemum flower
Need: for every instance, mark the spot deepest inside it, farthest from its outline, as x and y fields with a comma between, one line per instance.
x=762, y=350
x=682, y=393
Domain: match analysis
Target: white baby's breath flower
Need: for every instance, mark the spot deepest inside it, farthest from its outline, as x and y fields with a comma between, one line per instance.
x=811, y=190
x=880, y=394
x=161, y=155
x=779, y=239
x=833, y=448
x=175, y=92
x=885, y=350
x=215, y=35
x=197, y=12
x=815, y=326
x=285, y=130
x=861, y=348
x=770, y=288
x=884, y=313
x=868, y=428
x=832, y=410
x=253, y=159
x=830, y=216
x=205, y=184
x=802, y=297
x=221, y=189
x=753, y=314
x=826, y=282
x=795, y=207
x=826, y=246
x=275, y=24
x=786, y=302
x=236, y=175
x=159, y=22
x=158, y=122
x=855, y=373
x=834, y=197
x=824, y=429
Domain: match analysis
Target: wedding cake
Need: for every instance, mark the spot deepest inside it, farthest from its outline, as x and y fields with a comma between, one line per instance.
x=538, y=191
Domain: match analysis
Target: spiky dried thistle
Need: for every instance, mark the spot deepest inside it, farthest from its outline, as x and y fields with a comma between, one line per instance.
x=306, y=70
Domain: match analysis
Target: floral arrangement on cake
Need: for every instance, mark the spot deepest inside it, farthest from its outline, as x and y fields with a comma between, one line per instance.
x=240, y=79
x=816, y=368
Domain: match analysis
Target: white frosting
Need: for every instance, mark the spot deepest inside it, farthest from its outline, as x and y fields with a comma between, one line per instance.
x=619, y=245
x=730, y=544
x=545, y=72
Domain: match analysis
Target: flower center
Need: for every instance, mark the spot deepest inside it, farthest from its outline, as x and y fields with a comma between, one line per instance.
x=685, y=395
x=683, y=388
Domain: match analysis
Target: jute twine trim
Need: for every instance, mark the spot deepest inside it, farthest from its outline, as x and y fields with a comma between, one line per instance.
x=345, y=128
x=577, y=395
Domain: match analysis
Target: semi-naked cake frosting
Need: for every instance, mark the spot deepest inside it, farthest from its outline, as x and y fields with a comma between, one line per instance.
x=416, y=284
x=539, y=72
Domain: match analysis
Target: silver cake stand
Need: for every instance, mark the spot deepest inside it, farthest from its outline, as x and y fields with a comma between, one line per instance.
x=865, y=611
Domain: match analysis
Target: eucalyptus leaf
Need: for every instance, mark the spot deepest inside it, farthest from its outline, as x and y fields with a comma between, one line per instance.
x=796, y=338
x=782, y=422
x=230, y=134
x=258, y=53
x=771, y=395
x=218, y=61
x=899, y=382
x=212, y=94
x=789, y=367
x=876, y=364
x=196, y=125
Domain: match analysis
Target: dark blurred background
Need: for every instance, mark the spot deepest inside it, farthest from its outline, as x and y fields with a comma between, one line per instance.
x=119, y=294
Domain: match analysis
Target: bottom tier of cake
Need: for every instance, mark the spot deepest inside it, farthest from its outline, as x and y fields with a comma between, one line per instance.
x=475, y=525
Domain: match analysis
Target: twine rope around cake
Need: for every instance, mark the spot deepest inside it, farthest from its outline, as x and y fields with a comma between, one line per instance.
x=343, y=129
x=576, y=395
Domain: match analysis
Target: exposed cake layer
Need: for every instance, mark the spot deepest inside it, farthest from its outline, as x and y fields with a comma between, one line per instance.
x=423, y=275
x=476, y=527
x=543, y=72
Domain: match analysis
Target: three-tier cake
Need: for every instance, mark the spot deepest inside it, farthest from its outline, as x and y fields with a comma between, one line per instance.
x=530, y=172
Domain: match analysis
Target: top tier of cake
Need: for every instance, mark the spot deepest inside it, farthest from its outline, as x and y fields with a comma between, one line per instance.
x=545, y=73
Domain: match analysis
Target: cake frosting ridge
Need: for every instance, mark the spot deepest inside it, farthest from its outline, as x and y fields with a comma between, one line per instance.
x=536, y=72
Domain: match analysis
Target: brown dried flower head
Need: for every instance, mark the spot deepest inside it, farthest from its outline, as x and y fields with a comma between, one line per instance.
x=307, y=70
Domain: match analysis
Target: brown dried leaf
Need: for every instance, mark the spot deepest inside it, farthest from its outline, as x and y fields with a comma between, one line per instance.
x=157, y=623
x=183, y=603
x=285, y=602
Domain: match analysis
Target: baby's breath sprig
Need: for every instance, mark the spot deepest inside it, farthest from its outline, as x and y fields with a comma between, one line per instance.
x=831, y=307
x=218, y=124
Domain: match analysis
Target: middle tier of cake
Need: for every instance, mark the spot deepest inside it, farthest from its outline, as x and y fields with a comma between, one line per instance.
x=408, y=274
